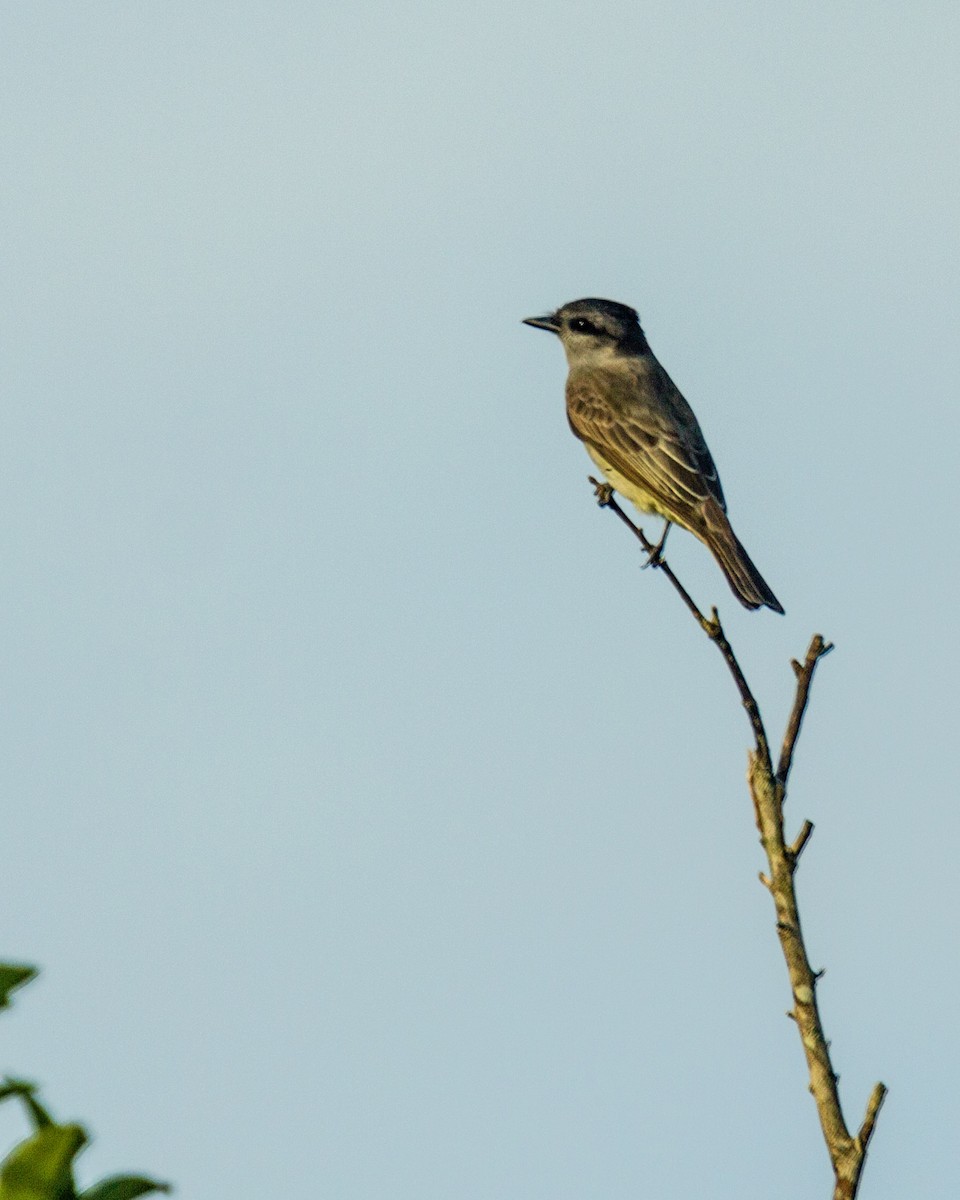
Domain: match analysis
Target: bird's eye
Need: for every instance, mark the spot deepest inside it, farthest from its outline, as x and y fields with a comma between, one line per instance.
x=582, y=325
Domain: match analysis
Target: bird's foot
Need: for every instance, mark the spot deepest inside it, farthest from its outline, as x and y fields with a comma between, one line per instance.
x=655, y=557
x=603, y=491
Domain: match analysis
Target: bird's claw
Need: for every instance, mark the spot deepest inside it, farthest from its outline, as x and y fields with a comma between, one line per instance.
x=655, y=557
x=603, y=491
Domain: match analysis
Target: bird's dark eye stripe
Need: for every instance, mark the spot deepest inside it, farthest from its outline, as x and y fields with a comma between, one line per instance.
x=582, y=325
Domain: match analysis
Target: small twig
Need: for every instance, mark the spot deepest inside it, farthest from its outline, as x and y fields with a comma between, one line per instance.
x=849, y=1168
x=802, y=838
x=874, y=1104
x=605, y=498
x=710, y=625
x=716, y=634
x=804, y=673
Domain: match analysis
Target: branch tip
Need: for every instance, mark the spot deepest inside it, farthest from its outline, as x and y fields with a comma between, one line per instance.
x=874, y=1104
x=804, y=674
x=803, y=837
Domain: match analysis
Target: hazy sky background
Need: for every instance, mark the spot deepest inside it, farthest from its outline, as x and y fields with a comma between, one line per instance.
x=379, y=826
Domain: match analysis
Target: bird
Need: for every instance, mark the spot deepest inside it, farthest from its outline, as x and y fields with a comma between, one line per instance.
x=643, y=435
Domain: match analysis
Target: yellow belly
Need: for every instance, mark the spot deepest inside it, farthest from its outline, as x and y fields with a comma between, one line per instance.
x=637, y=495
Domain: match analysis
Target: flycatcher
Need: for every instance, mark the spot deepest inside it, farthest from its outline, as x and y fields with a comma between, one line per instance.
x=643, y=435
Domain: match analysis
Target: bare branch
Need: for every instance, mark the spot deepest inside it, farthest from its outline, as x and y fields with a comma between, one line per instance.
x=803, y=979
x=716, y=634
x=768, y=790
x=804, y=673
x=605, y=498
x=848, y=1170
x=803, y=837
x=711, y=626
x=877, y=1097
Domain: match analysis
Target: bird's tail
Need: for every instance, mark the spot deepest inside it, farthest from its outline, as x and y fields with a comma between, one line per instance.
x=748, y=584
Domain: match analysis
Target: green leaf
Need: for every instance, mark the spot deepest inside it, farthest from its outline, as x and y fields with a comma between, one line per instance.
x=13, y=976
x=123, y=1187
x=25, y=1090
x=41, y=1168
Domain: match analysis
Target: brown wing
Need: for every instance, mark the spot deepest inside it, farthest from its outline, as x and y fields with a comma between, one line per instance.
x=646, y=430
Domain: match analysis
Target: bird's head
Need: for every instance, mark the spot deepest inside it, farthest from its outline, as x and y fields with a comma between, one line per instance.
x=594, y=330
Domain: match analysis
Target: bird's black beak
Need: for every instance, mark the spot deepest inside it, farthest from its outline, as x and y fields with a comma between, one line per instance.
x=550, y=323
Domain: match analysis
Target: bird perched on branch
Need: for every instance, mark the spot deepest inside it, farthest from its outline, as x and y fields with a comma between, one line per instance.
x=643, y=435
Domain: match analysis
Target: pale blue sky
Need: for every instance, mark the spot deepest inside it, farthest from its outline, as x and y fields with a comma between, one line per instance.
x=380, y=828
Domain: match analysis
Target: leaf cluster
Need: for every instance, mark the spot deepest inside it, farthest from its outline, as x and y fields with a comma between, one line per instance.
x=41, y=1167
